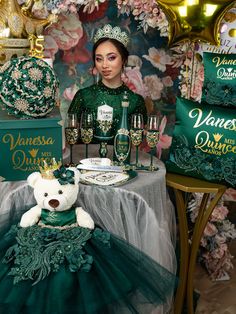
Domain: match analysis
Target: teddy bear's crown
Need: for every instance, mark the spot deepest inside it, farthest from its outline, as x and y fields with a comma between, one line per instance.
x=48, y=169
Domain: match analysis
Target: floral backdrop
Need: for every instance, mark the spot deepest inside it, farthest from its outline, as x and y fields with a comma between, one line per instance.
x=152, y=71
x=156, y=72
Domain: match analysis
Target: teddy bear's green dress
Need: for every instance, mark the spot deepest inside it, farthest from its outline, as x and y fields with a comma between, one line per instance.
x=57, y=267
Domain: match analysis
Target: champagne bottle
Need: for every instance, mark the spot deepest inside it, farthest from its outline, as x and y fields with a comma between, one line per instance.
x=122, y=141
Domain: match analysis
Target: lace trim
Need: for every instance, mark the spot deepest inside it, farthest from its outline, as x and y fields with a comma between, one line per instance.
x=219, y=94
x=210, y=167
x=39, y=251
x=41, y=224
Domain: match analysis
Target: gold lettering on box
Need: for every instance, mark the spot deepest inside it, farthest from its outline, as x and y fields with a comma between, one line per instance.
x=28, y=141
x=21, y=162
x=26, y=152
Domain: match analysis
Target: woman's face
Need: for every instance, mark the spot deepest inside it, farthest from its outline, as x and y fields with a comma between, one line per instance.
x=108, y=62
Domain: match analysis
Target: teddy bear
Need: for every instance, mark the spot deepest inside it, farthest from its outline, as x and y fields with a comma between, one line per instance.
x=55, y=195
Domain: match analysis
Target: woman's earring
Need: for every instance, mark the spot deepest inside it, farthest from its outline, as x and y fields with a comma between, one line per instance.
x=97, y=78
x=96, y=75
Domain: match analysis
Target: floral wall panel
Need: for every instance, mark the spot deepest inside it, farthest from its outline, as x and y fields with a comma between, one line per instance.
x=152, y=70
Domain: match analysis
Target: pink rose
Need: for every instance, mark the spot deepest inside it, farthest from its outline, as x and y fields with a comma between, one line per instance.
x=133, y=79
x=158, y=58
x=230, y=195
x=210, y=230
x=154, y=86
x=219, y=213
x=67, y=31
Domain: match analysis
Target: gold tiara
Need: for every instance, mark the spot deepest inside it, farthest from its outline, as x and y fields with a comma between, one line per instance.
x=48, y=169
x=107, y=31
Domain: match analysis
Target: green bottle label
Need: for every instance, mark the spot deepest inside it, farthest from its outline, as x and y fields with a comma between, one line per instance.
x=103, y=126
x=122, y=138
x=122, y=145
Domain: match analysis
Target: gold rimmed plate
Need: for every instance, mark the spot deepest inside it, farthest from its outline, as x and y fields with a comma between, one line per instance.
x=102, y=178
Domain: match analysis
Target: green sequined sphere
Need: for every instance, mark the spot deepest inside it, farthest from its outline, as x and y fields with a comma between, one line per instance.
x=29, y=87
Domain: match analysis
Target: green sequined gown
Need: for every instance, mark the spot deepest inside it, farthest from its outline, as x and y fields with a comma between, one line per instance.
x=97, y=95
x=55, y=267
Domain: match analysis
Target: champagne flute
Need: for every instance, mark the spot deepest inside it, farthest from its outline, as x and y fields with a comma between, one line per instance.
x=86, y=128
x=136, y=133
x=152, y=135
x=71, y=132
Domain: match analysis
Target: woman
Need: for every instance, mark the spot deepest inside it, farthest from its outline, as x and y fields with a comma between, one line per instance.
x=110, y=56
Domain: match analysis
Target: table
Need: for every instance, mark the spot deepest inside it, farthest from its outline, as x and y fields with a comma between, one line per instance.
x=139, y=211
x=150, y=186
x=189, y=246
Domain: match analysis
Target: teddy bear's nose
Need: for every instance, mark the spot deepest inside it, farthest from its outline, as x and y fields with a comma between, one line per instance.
x=54, y=203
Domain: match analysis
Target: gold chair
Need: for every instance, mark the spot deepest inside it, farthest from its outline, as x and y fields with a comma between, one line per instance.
x=189, y=246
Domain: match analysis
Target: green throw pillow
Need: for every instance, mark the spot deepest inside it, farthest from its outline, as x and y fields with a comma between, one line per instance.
x=204, y=142
x=219, y=87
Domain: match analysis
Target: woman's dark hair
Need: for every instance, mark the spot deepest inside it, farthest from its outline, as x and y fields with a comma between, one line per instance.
x=119, y=46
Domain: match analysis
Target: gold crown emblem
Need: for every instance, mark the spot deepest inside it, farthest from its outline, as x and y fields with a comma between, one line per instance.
x=33, y=152
x=217, y=136
x=47, y=169
x=113, y=33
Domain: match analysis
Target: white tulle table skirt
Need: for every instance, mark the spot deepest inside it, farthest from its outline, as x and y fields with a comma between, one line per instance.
x=139, y=211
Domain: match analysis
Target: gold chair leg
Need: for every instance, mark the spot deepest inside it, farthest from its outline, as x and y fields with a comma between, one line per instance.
x=184, y=252
x=199, y=227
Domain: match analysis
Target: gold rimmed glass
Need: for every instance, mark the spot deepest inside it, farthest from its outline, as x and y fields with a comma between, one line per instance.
x=86, y=129
x=136, y=133
x=152, y=135
x=71, y=132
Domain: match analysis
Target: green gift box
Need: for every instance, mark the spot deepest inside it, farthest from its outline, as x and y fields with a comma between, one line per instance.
x=24, y=144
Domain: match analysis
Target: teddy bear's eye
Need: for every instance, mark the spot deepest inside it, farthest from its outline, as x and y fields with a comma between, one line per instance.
x=45, y=194
x=60, y=192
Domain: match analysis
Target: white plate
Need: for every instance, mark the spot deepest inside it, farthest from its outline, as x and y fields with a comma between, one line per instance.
x=96, y=161
x=103, y=178
x=106, y=178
